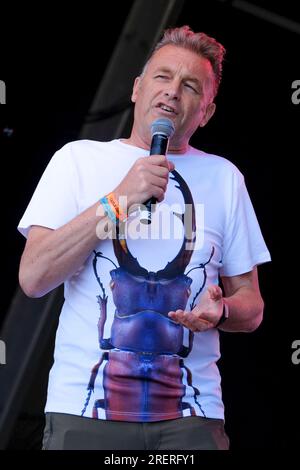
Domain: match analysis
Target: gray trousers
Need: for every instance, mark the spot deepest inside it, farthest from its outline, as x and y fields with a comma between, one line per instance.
x=69, y=432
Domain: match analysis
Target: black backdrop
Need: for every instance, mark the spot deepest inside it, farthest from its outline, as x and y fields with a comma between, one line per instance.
x=51, y=73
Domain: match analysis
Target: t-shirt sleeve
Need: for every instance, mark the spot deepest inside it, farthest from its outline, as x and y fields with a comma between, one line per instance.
x=243, y=246
x=54, y=201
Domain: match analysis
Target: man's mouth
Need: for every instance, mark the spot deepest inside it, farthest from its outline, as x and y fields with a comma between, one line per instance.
x=166, y=108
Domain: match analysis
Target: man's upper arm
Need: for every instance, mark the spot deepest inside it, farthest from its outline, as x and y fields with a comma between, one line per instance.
x=232, y=284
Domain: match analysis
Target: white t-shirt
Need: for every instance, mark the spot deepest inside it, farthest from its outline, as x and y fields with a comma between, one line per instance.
x=117, y=354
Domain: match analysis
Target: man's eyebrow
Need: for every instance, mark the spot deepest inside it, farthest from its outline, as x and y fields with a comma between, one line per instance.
x=168, y=70
x=162, y=69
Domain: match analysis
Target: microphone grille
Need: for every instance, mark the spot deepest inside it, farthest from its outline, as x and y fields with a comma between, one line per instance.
x=163, y=126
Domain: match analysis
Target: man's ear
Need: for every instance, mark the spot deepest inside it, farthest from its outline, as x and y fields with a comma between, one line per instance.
x=210, y=111
x=135, y=89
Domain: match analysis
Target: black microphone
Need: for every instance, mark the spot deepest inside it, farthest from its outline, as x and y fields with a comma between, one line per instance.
x=161, y=130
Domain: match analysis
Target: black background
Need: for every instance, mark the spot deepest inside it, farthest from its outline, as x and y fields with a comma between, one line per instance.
x=52, y=63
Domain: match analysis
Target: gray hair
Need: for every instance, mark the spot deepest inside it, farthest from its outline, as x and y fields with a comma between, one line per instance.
x=200, y=43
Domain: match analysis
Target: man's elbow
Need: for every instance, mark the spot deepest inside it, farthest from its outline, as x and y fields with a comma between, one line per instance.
x=257, y=317
x=28, y=286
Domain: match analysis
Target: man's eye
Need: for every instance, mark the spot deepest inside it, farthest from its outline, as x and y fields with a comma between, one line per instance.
x=191, y=87
x=162, y=76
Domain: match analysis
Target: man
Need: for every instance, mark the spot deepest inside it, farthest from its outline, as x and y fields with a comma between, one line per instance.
x=137, y=342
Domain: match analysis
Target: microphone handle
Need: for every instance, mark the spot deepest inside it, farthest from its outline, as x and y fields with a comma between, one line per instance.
x=159, y=146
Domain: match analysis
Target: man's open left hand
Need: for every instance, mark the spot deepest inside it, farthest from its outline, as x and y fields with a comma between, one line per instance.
x=205, y=314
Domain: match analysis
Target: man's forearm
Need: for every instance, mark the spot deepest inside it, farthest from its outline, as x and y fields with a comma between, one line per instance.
x=60, y=253
x=245, y=311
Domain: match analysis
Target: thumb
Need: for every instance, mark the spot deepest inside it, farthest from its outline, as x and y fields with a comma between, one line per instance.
x=215, y=292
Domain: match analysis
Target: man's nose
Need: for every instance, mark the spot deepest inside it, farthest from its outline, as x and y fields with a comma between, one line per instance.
x=173, y=91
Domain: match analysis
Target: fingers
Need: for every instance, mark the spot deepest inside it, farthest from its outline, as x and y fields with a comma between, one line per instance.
x=190, y=321
x=160, y=160
x=158, y=192
x=148, y=177
x=160, y=171
x=159, y=181
x=155, y=174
